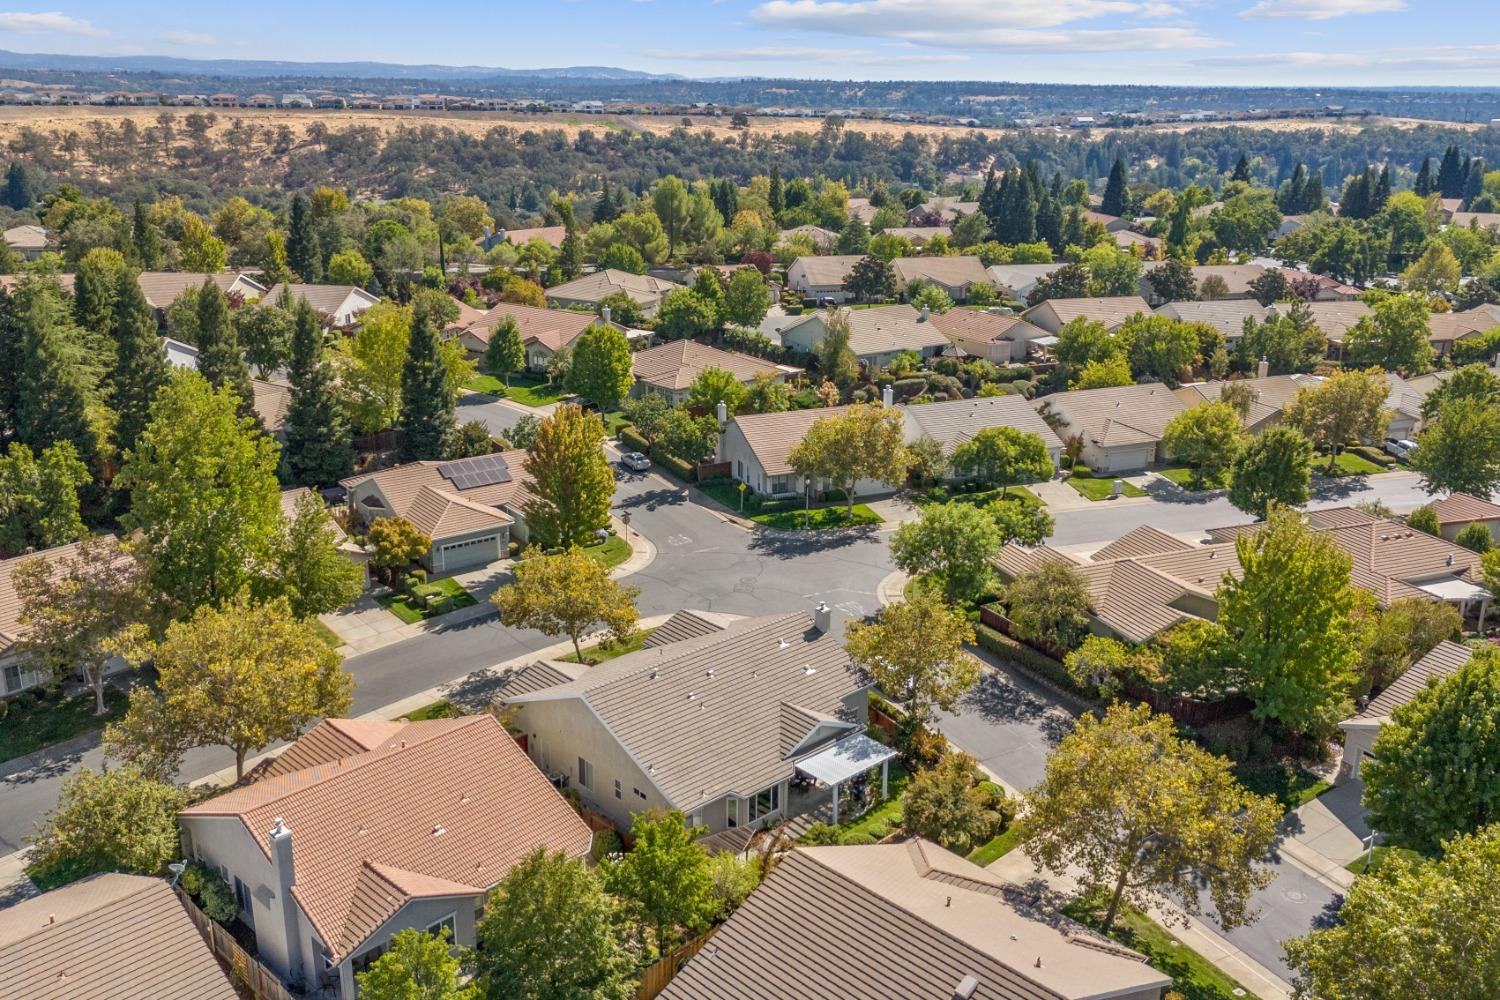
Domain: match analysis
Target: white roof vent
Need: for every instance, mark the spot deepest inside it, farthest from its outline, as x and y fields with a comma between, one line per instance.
x=808, y=669
x=438, y=831
x=692, y=696
x=709, y=673
x=782, y=644
x=966, y=988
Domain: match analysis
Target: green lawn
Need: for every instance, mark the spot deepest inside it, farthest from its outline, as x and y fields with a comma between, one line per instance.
x=1347, y=464
x=528, y=390
x=1192, y=975
x=611, y=553
x=820, y=517
x=1100, y=489
x=35, y=720
x=999, y=847
x=979, y=498
x=1372, y=860
x=601, y=651
x=1287, y=781
x=328, y=635
x=413, y=608
x=885, y=816
x=1187, y=479
x=487, y=384
x=442, y=709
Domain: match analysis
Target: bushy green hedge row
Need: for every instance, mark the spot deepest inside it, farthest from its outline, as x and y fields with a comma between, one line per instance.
x=681, y=468
x=1029, y=660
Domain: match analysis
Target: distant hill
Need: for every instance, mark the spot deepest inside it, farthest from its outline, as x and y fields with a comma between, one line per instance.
x=272, y=68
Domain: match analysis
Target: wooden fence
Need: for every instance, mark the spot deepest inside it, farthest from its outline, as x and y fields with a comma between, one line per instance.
x=656, y=978
x=243, y=967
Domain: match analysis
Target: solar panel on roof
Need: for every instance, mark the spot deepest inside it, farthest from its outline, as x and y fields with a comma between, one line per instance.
x=483, y=470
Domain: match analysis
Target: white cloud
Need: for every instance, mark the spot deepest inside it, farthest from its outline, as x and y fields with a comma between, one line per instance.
x=1321, y=10
x=812, y=55
x=189, y=38
x=24, y=22
x=1428, y=60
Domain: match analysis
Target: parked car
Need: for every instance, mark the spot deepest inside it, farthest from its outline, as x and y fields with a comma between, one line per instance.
x=1399, y=447
x=635, y=461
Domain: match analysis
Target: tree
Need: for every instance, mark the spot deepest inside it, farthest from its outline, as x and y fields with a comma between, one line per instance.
x=427, y=401
x=397, y=543
x=118, y=820
x=1022, y=523
x=219, y=357
x=1436, y=767
x=1274, y=467
x=951, y=804
x=572, y=479
x=1067, y=282
x=243, y=677
x=1173, y=281
x=1437, y=270
x=1475, y=381
x=140, y=363
x=349, y=267
x=1289, y=341
x=836, y=359
x=504, y=353
x=647, y=413
x=416, y=965
x=1414, y=927
x=1106, y=374
x=1147, y=816
x=915, y=653
x=319, y=447
x=95, y=285
x=1206, y=437
x=664, y=881
x=1049, y=604
x=685, y=314
x=767, y=394
x=713, y=386
x=1425, y=519
x=1288, y=617
x=871, y=279
x=1081, y=341
x=690, y=438
x=205, y=504
x=303, y=254
x=1394, y=336
x=264, y=332
x=1114, y=190
x=19, y=193
x=1459, y=449
x=672, y=205
x=39, y=506
x=1348, y=406
x=863, y=442
x=1269, y=286
x=950, y=543
x=53, y=388
x=1402, y=634
x=1003, y=456
x=601, y=368
x=1475, y=536
x=569, y=594
x=311, y=572
x=1160, y=347
x=551, y=932
x=746, y=298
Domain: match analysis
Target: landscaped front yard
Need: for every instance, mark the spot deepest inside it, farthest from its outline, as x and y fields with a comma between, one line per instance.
x=979, y=498
x=1188, y=479
x=601, y=651
x=1347, y=464
x=528, y=390
x=1289, y=783
x=427, y=600
x=988, y=853
x=33, y=720
x=611, y=552
x=786, y=515
x=1101, y=488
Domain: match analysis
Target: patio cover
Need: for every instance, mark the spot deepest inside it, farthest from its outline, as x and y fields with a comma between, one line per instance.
x=852, y=755
x=1456, y=590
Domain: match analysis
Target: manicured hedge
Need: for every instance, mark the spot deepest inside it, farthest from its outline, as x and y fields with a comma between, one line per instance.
x=631, y=438
x=1029, y=660
x=681, y=468
x=1375, y=455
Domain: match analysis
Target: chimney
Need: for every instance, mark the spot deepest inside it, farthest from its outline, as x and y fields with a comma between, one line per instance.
x=888, y=396
x=926, y=313
x=1263, y=368
x=286, y=877
x=823, y=617
x=604, y=314
x=721, y=411
x=966, y=988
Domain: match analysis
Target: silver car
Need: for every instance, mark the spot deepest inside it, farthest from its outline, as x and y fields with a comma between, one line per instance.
x=1399, y=447
x=635, y=461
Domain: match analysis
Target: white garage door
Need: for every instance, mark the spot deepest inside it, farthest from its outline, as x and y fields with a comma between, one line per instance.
x=474, y=552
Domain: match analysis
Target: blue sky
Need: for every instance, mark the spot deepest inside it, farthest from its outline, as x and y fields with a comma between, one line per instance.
x=1358, y=42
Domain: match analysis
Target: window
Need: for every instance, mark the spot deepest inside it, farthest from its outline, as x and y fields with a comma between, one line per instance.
x=617, y=788
x=585, y=773
x=241, y=894
x=732, y=812
x=12, y=678
x=765, y=803
x=638, y=793
x=739, y=470
x=694, y=819
x=447, y=927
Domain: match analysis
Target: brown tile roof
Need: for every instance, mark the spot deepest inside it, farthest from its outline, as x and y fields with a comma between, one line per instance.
x=1461, y=508
x=918, y=234
x=1225, y=315
x=905, y=921
x=1111, y=310
x=272, y=401
x=115, y=936
x=953, y=422
x=950, y=271
x=819, y=235
x=1142, y=541
x=162, y=288
x=420, y=493
x=10, y=282
x=11, y=628
x=832, y=269
x=1336, y=319
x=552, y=328
x=602, y=284
x=978, y=325
x=552, y=235
x=26, y=237
x=442, y=807
x=1484, y=220
x=1129, y=414
x=326, y=299
x=688, y=624
x=1272, y=393
x=772, y=436
x=702, y=715
x=891, y=328
x=675, y=364
x=1450, y=326
x=1445, y=660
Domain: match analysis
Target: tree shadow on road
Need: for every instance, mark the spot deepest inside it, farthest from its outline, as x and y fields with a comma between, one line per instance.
x=1166, y=491
x=793, y=544
x=654, y=499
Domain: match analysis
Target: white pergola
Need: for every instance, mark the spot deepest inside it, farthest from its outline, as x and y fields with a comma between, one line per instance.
x=853, y=755
x=1462, y=593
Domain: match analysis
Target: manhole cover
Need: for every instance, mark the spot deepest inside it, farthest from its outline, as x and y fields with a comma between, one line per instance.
x=1295, y=896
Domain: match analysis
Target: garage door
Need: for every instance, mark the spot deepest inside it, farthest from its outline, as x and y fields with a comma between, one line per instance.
x=1126, y=458
x=474, y=552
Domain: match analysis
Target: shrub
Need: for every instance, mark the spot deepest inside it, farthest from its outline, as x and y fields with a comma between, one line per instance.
x=1476, y=537
x=1424, y=519
x=1032, y=661
x=906, y=388
x=858, y=839
x=632, y=439
x=678, y=467
x=920, y=747
x=820, y=835
x=209, y=890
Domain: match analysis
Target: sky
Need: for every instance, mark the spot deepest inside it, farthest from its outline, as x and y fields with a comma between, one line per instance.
x=1206, y=42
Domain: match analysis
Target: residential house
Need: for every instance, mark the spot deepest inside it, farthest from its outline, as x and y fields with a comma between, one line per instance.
x=1111, y=223
x=1424, y=384
x=126, y=937
x=670, y=368
x=1476, y=220
x=1225, y=315
x=543, y=332
x=1449, y=206
x=1324, y=287
x=876, y=335
x=1446, y=329
x=1271, y=395
x=997, y=335
x=954, y=275
x=918, y=236
x=553, y=236
x=860, y=208
x=952, y=422
x=1360, y=729
x=9, y=282
x=1015, y=281
x=162, y=288
x=1289, y=224
x=822, y=278
x=1121, y=428
x=823, y=238
x=27, y=240
x=714, y=725
x=1129, y=239
x=471, y=508
x=1457, y=511
x=272, y=400
x=592, y=289
x=364, y=828
x=342, y=304
x=1335, y=319
x=1053, y=314
x=905, y=920
x=14, y=676
x=1236, y=278
x=947, y=209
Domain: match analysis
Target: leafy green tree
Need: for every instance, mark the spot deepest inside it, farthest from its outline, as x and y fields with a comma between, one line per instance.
x=1270, y=286
x=304, y=256
x=871, y=279
x=96, y=283
x=746, y=298
x=1274, y=467
x=1475, y=536
x=1395, y=336
x=932, y=298
x=690, y=438
x=1206, y=437
x=1049, y=604
x=1083, y=340
x=1022, y=523
x=1106, y=374
x=713, y=386
x=1471, y=381
x=311, y=572
x=427, y=400
x=505, y=353
x=371, y=365
x=572, y=477
x=601, y=368
x=915, y=654
x=416, y=966
x=1112, y=270
x=767, y=394
x=863, y=442
x=854, y=237
x=117, y=820
x=1407, y=630
x=1437, y=270
x=684, y=314
x=647, y=413
x=1245, y=221
x=1160, y=347
x=664, y=881
x=1289, y=341
x=836, y=359
x=1004, y=457
x=1288, y=619
x=1173, y=281
x=397, y=543
x=1459, y=449
x=140, y=363
x=551, y=932
x=1412, y=928
x=264, y=332
x=1147, y=816
x=1425, y=519
x=951, y=544
x=349, y=267
x=19, y=192
x=569, y=594
x=205, y=504
x=39, y=506
x=951, y=804
x=319, y=446
x=672, y=204
x=1348, y=406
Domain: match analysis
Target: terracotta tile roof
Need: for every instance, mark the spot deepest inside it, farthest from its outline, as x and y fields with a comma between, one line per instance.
x=162, y=288
x=420, y=493
x=949, y=271
x=552, y=328
x=703, y=715
x=675, y=364
x=442, y=807
x=1445, y=660
x=115, y=936
x=906, y=921
x=1461, y=508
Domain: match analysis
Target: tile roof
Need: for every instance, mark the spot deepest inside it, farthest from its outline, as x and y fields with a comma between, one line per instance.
x=688, y=624
x=819, y=235
x=981, y=326
x=1129, y=414
x=1461, y=508
x=772, y=436
x=702, y=716
x=1225, y=315
x=918, y=234
x=162, y=288
x=326, y=299
x=1336, y=319
x=1236, y=277
x=1020, y=278
x=676, y=363
x=953, y=422
x=950, y=208
x=11, y=628
x=883, y=329
x=1450, y=326
x=1444, y=660
x=552, y=328
x=115, y=936
x=552, y=235
x=1142, y=541
x=272, y=402
x=437, y=808
x=1109, y=310
x=950, y=271
x=905, y=921
x=27, y=237
x=828, y=270
x=419, y=492
x=1272, y=393
x=10, y=282
x=1484, y=220
x=602, y=284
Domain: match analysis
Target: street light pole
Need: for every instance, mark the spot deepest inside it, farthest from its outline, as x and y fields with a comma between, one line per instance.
x=807, y=496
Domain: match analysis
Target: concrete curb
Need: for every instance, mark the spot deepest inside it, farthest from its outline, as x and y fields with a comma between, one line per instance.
x=642, y=550
x=892, y=589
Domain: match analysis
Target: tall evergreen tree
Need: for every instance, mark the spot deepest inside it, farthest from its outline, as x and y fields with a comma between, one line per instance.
x=1381, y=192
x=1425, y=184
x=1049, y=221
x=778, y=190
x=1355, y=203
x=53, y=387
x=1474, y=181
x=302, y=252
x=94, y=293
x=608, y=208
x=1114, y=190
x=141, y=367
x=426, y=421
x=989, y=198
x=219, y=357
x=1241, y=170
x=145, y=239
x=1450, y=175
x=319, y=449
x=1291, y=198
x=20, y=194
